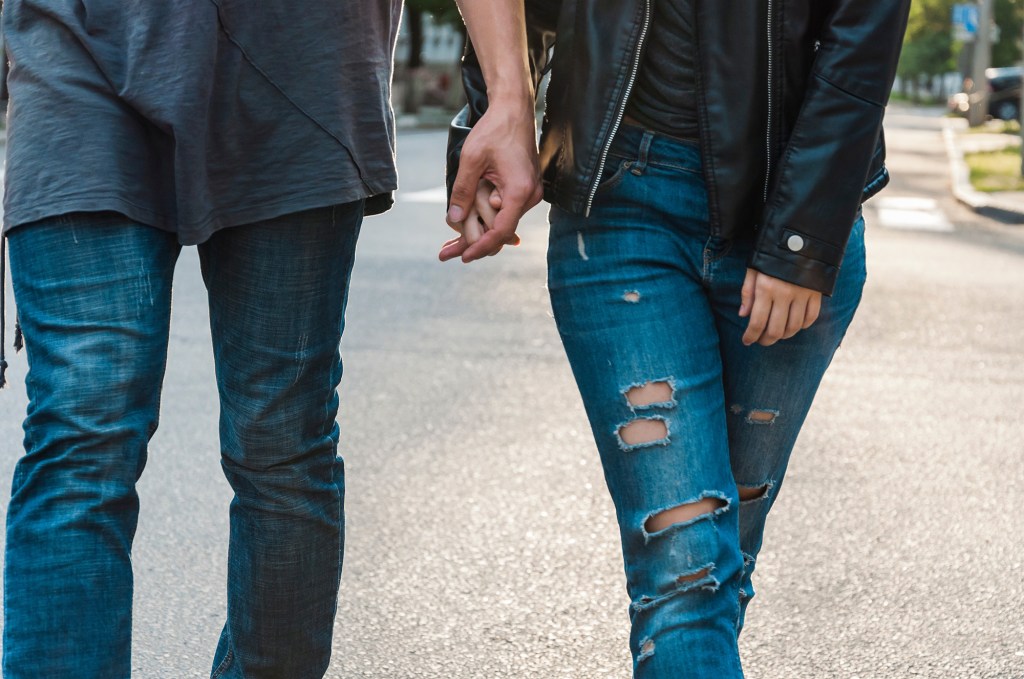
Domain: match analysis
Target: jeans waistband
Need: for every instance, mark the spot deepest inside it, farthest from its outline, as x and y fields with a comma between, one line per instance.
x=649, y=147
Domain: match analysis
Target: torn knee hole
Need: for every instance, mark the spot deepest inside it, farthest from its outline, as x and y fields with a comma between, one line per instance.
x=690, y=577
x=645, y=430
x=762, y=416
x=684, y=514
x=649, y=394
x=631, y=296
x=748, y=493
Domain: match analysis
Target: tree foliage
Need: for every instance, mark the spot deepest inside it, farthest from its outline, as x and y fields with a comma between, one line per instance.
x=442, y=10
x=1009, y=16
x=930, y=50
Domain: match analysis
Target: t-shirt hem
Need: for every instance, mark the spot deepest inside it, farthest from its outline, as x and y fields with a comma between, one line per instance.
x=91, y=203
x=200, y=231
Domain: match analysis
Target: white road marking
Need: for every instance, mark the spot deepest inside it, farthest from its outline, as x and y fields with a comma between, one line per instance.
x=435, y=195
x=911, y=213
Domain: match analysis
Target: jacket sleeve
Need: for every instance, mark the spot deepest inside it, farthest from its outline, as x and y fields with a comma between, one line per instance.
x=819, y=183
x=541, y=20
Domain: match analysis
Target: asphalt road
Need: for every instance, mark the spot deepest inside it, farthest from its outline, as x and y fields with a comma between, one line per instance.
x=481, y=542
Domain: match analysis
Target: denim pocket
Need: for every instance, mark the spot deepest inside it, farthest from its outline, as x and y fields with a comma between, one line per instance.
x=614, y=171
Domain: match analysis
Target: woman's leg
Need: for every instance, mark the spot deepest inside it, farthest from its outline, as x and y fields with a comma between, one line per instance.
x=769, y=390
x=642, y=342
x=94, y=299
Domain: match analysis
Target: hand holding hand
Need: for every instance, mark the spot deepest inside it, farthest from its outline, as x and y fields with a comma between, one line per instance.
x=501, y=149
x=479, y=220
x=777, y=309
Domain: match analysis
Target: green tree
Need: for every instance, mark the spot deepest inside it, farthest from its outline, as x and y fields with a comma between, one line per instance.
x=1009, y=16
x=929, y=49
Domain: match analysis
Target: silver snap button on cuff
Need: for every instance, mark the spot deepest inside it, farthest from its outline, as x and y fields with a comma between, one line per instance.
x=795, y=243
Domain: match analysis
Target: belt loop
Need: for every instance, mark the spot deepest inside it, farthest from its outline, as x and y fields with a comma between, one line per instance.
x=645, y=148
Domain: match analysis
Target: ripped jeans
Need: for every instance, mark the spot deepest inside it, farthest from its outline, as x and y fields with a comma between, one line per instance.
x=687, y=419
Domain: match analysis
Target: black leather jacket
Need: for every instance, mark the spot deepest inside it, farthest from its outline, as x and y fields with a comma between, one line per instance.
x=791, y=98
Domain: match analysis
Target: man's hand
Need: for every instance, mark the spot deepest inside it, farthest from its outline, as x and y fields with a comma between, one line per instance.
x=502, y=149
x=479, y=221
x=777, y=309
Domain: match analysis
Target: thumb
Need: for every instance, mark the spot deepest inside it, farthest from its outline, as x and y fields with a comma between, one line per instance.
x=747, y=294
x=464, y=188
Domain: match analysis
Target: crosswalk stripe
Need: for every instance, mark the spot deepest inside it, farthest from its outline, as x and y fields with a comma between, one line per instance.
x=436, y=195
x=911, y=213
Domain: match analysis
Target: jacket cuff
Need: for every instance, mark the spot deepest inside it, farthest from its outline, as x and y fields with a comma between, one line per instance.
x=798, y=258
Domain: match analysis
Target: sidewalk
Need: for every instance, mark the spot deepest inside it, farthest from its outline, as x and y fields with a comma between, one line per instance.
x=1005, y=206
x=428, y=118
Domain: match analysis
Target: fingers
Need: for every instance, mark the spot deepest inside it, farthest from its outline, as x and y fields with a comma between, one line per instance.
x=813, y=311
x=489, y=244
x=777, y=309
x=776, y=329
x=453, y=248
x=760, y=313
x=473, y=227
x=484, y=208
x=795, y=320
x=747, y=293
x=479, y=219
x=464, y=189
x=503, y=232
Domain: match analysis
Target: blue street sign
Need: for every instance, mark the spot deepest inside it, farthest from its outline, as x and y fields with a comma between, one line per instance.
x=965, y=18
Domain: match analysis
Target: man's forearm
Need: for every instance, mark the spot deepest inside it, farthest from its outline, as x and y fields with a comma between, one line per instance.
x=497, y=29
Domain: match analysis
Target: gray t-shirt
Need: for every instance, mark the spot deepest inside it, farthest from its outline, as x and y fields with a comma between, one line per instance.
x=196, y=115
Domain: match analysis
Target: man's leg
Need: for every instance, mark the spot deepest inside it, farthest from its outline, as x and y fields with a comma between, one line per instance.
x=277, y=301
x=93, y=294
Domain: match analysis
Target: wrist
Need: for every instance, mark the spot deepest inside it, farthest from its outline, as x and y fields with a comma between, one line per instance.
x=511, y=97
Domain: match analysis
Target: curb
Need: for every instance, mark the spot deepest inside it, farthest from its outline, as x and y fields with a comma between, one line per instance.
x=983, y=203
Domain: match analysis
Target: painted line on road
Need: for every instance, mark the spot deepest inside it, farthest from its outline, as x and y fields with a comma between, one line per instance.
x=911, y=213
x=436, y=195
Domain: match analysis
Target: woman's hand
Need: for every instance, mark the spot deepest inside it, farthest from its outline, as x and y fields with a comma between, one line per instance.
x=479, y=221
x=777, y=309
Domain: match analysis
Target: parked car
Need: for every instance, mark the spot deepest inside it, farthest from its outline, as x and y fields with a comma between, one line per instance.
x=1004, y=89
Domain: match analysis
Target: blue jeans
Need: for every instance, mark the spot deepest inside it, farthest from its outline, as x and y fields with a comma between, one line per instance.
x=94, y=299
x=646, y=301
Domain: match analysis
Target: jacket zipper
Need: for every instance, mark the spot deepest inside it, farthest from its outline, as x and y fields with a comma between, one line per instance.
x=768, y=130
x=622, y=107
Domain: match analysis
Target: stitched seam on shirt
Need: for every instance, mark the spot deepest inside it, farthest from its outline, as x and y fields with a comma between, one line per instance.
x=227, y=212
x=273, y=83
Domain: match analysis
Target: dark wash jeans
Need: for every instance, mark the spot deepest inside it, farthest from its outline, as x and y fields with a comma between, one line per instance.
x=94, y=299
x=643, y=294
